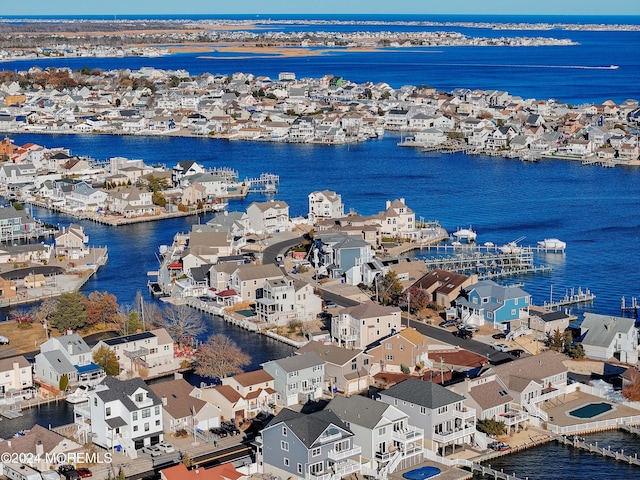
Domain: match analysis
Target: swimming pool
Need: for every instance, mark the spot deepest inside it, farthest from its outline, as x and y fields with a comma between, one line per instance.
x=421, y=473
x=591, y=410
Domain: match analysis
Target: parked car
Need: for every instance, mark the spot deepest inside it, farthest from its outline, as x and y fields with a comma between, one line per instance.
x=4, y=340
x=84, y=472
x=464, y=334
x=516, y=352
x=152, y=450
x=230, y=428
x=499, y=446
x=68, y=472
x=499, y=336
x=468, y=327
x=165, y=447
x=219, y=431
x=449, y=323
x=501, y=347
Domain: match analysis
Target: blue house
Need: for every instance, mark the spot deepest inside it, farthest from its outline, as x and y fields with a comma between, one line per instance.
x=486, y=301
x=338, y=254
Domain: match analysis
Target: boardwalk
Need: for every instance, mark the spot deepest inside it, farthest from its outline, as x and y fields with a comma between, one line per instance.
x=580, y=444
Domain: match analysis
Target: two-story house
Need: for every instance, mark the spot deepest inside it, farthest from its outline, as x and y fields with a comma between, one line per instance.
x=14, y=223
x=72, y=242
x=498, y=305
x=145, y=349
x=345, y=370
x=397, y=220
x=606, y=337
x=16, y=378
x=268, y=217
x=285, y=299
x=406, y=348
x=383, y=432
x=361, y=325
x=444, y=287
x=131, y=202
x=441, y=413
x=297, y=379
x=125, y=414
x=248, y=280
x=317, y=446
x=338, y=254
x=66, y=355
x=325, y=204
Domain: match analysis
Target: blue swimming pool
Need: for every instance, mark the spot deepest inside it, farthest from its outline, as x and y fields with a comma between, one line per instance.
x=591, y=410
x=421, y=473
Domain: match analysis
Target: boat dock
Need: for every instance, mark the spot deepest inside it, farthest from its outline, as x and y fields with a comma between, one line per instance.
x=266, y=183
x=581, y=296
x=490, y=264
x=633, y=308
x=580, y=444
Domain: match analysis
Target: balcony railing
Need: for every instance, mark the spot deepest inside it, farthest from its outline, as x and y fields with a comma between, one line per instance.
x=408, y=434
x=446, y=437
x=342, y=454
x=384, y=456
x=465, y=414
x=512, y=417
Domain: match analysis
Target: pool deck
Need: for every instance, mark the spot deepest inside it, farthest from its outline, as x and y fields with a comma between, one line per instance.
x=446, y=473
x=558, y=409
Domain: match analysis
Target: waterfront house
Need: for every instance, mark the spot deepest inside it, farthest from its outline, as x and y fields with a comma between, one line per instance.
x=361, y=325
x=16, y=379
x=8, y=289
x=124, y=413
x=346, y=370
x=154, y=348
x=131, y=202
x=72, y=242
x=533, y=379
x=285, y=299
x=15, y=224
x=268, y=217
x=606, y=337
x=444, y=287
x=486, y=301
x=491, y=400
x=66, y=355
x=183, y=407
x=439, y=412
x=324, y=205
x=248, y=280
x=184, y=168
x=85, y=197
x=543, y=322
x=397, y=220
x=389, y=443
x=40, y=447
x=297, y=379
x=12, y=174
x=407, y=348
x=316, y=446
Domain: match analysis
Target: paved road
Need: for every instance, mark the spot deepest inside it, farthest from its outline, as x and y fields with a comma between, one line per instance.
x=272, y=251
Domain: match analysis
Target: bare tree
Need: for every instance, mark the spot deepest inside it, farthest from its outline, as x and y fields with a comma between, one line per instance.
x=181, y=322
x=220, y=357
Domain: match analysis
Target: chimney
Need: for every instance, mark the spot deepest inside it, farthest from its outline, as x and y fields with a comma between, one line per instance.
x=164, y=401
x=388, y=203
x=39, y=448
x=70, y=348
x=402, y=200
x=8, y=443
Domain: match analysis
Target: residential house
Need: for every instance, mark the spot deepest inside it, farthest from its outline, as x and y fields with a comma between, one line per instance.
x=490, y=397
x=15, y=223
x=441, y=413
x=325, y=204
x=124, y=413
x=66, y=355
x=183, y=408
x=337, y=254
x=146, y=349
x=533, y=379
x=346, y=370
x=184, y=168
x=544, y=322
x=606, y=337
x=268, y=217
x=407, y=348
x=361, y=325
x=444, y=287
x=389, y=443
x=16, y=378
x=398, y=220
x=316, y=446
x=297, y=379
x=248, y=280
x=486, y=301
x=72, y=242
x=8, y=289
x=131, y=202
x=280, y=304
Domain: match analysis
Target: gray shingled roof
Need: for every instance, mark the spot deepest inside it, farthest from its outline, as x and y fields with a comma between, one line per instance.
x=309, y=427
x=330, y=353
x=299, y=362
x=426, y=394
x=603, y=329
x=119, y=390
x=358, y=410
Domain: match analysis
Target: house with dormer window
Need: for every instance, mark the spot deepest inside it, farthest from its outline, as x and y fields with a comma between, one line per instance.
x=297, y=379
x=317, y=446
x=125, y=414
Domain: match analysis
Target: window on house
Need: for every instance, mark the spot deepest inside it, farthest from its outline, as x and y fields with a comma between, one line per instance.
x=157, y=423
x=401, y=347
x=286, y=462
x=139, y=397
x=146, y=413
x=284, y=431
x=146, y=427
x=388, y=346
x=135, y=428
x=107, y=412
x=316, y=452
x=134, y=415
x=423, y=410
x=513, y=311
x=389, y=357
x=284, y=446
x=365, y=361
x=157, y=410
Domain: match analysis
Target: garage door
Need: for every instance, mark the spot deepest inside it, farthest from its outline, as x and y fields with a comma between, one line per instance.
x=155, y=439
x=139, y=443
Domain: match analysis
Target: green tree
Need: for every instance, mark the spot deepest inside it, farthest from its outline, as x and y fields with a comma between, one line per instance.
x=389, y=289
x=491, y=426
x=64, y=382
x=158, y=199
x=577, y=351
x=18, y=206
x=70, y=312
x=556, y=340
x=107, y=359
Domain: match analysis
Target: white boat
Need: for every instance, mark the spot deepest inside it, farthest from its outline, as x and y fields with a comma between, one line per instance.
x=552, y=244
x=465, y=234
x=511, y=247
x=219, y=207
x=489, y=244
x=80, y=395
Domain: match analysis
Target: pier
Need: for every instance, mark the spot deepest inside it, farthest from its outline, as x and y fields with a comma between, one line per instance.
x=581, y=296
x=605, y=452
x=633, y=308
x=266, y=183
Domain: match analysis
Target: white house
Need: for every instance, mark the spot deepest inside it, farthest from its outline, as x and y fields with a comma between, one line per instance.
x=268, y=217
x=606, y=337
x=358, y=326
x=325, y=204
x=16, y=379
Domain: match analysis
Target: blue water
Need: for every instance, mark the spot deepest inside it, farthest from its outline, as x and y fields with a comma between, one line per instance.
x=595, y=210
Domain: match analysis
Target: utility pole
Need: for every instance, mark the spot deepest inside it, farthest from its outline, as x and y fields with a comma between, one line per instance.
x=408, y=308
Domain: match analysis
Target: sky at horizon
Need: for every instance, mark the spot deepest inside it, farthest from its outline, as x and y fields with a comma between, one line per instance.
x=260, y=7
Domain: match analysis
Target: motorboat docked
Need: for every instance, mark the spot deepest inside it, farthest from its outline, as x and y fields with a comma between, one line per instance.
x=552, y=244
x=465, y=234
x=512, y=247
x=80, y=395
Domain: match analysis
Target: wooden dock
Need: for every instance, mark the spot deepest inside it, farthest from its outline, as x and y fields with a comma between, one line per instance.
x=594, y=448
x=581, y=296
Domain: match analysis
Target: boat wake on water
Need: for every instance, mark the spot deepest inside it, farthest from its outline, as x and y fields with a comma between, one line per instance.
x=578, y=67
